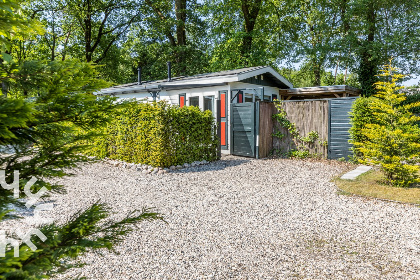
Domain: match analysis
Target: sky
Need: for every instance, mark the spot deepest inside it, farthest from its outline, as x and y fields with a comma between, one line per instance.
x=412, y=82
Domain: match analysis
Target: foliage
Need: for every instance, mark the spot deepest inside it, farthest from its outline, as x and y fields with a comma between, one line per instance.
x=392, y=139
x=62, y=104
x=41, y=132
x=47, y=104
x=243, y=33
x=86, y=230
x=313, y=25
x=159, y=134
x=13, y=24
x=360, y=115
x=413, y=98
x=304, y=77
x=375, y=31
x=303, y=144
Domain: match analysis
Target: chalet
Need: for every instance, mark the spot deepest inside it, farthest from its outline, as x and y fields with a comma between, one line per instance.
x=231, y=95
x=207, y=90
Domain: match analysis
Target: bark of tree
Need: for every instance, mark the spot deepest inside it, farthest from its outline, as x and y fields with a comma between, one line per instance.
x=181, y=38
x=368, y=63
x=92, y=37
x=250, y=10
x=179, y=41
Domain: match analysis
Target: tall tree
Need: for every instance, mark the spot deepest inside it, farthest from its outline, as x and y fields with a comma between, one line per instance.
x=102, y=23
x=373, y=31
x=172, y=30
x=243, y=33
x=250, y=10
x=171, y=17
x=312, y=26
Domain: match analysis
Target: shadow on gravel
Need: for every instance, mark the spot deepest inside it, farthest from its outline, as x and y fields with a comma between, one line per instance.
x=221, y=164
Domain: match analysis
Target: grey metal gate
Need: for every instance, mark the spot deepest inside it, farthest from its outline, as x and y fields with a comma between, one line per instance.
x=338, y=129
x=243, y=128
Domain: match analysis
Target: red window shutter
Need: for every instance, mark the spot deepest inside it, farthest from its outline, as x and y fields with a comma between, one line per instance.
x=223, y=105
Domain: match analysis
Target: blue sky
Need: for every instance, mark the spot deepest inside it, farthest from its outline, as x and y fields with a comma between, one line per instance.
x=412, y=82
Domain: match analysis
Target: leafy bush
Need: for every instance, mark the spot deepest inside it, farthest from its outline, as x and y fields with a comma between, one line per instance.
x=42, y=133
x=360, y=115
x=413, y=98
x=159, y=134
x=390, y=137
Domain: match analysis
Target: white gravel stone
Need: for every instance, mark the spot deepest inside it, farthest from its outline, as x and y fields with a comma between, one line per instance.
x=242, y=218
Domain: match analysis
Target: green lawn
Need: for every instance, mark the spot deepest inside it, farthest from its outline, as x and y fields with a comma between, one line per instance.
x=371, y=185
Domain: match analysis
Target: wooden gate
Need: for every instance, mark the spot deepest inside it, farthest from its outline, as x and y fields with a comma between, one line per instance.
x=243, y=128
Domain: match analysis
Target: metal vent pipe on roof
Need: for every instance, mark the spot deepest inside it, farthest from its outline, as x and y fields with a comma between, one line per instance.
x=139, y=75
x=169, y=71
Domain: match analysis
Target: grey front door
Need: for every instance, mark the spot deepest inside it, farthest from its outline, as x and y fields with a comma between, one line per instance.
x=243, y=129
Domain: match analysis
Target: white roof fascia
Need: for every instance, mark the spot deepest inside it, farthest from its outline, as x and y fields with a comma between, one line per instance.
x=198, y=81
x=261, y=71
x=131, y=89
x=204, y=81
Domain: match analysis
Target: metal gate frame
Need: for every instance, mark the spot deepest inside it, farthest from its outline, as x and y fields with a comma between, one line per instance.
x=254, y=145
x=345, y=150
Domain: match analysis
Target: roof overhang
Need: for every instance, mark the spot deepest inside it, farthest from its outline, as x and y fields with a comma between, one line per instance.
x=195, y=82
x=265, y=70
x=154, y=88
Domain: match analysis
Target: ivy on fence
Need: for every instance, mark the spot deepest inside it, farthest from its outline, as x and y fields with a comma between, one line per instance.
x=303, y=143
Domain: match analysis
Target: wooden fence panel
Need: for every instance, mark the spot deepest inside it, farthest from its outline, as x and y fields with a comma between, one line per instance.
x=307, y=115
x=265, y=143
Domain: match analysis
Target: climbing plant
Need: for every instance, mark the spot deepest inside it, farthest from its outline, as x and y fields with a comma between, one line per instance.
x=303, y=144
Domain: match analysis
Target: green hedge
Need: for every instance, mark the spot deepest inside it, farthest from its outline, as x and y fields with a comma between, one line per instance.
x=158, y=134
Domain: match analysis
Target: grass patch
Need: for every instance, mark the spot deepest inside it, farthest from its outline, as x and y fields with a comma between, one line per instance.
x=371, y=185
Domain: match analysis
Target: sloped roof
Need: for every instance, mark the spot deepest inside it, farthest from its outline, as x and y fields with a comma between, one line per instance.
x=201, y=80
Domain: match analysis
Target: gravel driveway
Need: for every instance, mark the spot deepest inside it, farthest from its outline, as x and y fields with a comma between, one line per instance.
x=247, y=219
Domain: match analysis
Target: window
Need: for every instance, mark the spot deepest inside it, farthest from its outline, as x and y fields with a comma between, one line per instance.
x=195, y=101
x=209, y=103
x=249, y=97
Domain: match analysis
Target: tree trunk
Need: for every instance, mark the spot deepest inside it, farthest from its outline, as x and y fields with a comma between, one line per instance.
x=181, y=38
x=317, y=74
x=4, y=88
x=368, y=68
x=88, y=31
x=250, y=10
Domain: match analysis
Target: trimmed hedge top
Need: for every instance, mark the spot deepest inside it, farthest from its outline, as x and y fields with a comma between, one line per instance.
x=159, y=134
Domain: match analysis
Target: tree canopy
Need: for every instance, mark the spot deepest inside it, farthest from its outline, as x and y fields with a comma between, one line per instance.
x=330, y=42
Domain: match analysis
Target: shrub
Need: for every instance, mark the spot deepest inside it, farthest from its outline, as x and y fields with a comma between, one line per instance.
x=390, y=137
x=360, y=115
x=158, y=134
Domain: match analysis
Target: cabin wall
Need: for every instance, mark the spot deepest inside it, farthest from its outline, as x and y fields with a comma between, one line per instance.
x=172, y=96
